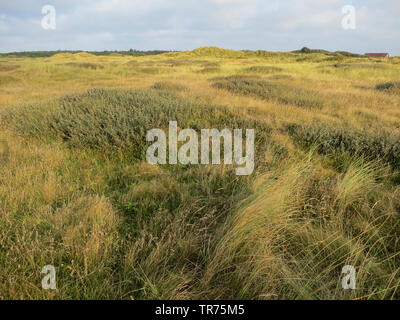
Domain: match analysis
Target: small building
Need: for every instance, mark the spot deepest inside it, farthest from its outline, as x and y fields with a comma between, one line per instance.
x=377, y=55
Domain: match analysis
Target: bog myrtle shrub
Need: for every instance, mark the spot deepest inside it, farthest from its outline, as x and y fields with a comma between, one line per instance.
x=359, y=66
x=262, y=69
x=114, y=120
x=168, y=86
x=328, y=140
x=388, y=86
x=268, y=90
x=281, y=77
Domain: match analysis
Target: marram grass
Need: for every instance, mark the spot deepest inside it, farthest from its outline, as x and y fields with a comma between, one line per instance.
x=76, y=192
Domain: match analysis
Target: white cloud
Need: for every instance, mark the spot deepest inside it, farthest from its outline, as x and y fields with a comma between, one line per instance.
x=185, y=24
x=233, y=2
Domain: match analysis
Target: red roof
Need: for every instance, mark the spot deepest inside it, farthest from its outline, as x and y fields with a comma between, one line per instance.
x=377, y=55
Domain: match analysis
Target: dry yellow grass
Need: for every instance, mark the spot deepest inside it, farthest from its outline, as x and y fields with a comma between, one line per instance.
x=117, y=229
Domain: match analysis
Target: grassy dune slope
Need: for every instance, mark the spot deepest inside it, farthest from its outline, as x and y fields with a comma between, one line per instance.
x=77, y=193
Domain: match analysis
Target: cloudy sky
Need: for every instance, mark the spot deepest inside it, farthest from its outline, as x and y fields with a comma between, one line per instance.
x=276, y=25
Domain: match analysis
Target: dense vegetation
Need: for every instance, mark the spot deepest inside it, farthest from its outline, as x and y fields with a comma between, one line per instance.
x=138, y=53
x=306, y=50
x=282, y=93
x=43, y=54
x=76, y=191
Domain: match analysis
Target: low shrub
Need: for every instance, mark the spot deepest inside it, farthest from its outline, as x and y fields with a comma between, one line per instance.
x=85, y=65
x=181, y=63
x=330, y=140
x=262, y=69
x=168, y=86
x=350, y=54
x=237, y=77
x=309, y=58
x=359, y=66
x=280, y=92
x=281, y=77
x=338, y=58
x=115, y=121
x=388, y=86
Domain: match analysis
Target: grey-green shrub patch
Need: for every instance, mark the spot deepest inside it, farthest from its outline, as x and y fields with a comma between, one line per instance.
x=262, y=69
x=268, y=90
x=389, y=87
x=168, y=86
x=85, y=65
x=328, y=140
x=115, y=120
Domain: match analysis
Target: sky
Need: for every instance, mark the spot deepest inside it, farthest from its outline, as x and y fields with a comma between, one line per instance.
x=274, y=25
